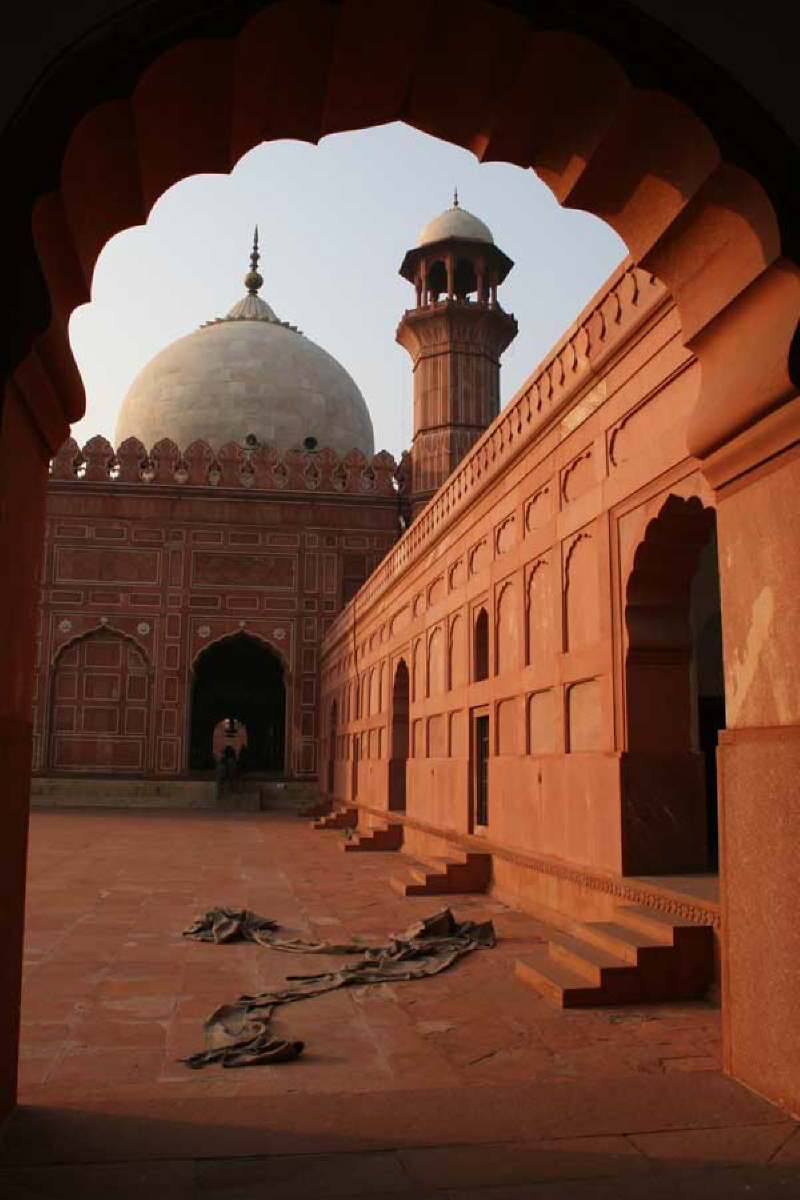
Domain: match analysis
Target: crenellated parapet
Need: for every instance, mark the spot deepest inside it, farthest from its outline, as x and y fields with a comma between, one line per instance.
x=561, y=390
x=258, y=469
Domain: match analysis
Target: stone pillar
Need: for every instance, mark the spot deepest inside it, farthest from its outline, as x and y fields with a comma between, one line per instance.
x=759, y=777
x=23, y=471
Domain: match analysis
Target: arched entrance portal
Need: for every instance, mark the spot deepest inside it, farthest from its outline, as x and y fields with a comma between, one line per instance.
x=239, y=679
x=399, y=750
x=674, y=699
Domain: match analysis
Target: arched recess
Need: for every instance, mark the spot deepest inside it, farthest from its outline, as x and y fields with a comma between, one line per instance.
x=458, y=658
x=480, y=645
x=418, y=671
x=333, y=725
x=436, y=663
x=674, y=693
x=100, y=706
x=376, y=700
x=540, y=639
x=239, y=676
x=581, y=594
x=398, y=759
x=507, y=644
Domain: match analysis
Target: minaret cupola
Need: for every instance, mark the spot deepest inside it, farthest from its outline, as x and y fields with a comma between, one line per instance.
x=455, y=336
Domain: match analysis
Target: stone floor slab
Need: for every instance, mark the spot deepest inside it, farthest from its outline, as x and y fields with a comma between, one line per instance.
x=465, y=1084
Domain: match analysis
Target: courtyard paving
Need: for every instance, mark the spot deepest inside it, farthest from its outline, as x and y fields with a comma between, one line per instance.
x=467, y=1084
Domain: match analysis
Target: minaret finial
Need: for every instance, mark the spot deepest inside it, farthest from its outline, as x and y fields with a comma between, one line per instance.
x=252, y=280
x=455, y=197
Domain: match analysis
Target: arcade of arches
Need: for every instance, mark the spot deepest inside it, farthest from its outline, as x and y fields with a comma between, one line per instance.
x=560, y=522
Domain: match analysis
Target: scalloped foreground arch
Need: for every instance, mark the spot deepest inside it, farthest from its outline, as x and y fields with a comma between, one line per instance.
x=552, y=101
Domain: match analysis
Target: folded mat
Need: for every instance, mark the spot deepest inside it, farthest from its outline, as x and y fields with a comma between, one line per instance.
x=238, y=1035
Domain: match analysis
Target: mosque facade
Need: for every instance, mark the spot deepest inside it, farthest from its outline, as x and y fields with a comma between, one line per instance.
x=191, y=571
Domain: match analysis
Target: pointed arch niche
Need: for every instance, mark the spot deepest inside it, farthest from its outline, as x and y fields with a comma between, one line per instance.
x=100, y=706
x=674, y=694
x=399, y=738
x=240, y=677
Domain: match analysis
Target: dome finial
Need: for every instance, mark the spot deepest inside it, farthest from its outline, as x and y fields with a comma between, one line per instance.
x=455, y=197
x=252, y=280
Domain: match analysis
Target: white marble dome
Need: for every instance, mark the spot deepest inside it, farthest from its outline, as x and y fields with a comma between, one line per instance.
x=246, y=374
x=455, y=223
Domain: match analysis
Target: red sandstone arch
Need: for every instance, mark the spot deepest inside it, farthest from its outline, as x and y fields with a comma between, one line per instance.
x=553, y=101
x=664, y=813
x=248, y=632
x=111, y=628
x=256, y=639
x=100, y=705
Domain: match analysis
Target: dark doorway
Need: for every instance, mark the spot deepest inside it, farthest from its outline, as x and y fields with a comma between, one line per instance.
x=674, y=694
x=481, y=645
x=481, y=761
x=398, y=760
x=239, y=679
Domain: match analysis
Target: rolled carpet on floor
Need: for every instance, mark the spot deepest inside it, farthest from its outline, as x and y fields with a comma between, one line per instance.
x=238, y=1034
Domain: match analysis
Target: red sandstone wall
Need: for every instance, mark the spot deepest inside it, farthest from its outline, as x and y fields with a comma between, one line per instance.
x=539, y=526
x=174, y=569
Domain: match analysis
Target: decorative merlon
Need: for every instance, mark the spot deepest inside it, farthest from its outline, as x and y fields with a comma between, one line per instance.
x=260, y=469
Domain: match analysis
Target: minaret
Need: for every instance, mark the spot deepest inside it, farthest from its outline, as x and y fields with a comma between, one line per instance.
x=455, y=337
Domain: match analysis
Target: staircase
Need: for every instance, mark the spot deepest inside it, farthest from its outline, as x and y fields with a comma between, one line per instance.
x=389, y=837
x=247, y=800
x=640, y=957
x=320, y=809
x=343, y=818
x=446, y=876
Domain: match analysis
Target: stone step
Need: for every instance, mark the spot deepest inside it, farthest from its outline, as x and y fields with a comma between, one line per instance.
x=656, y=924
x=640, y=958
x=321, y=809
x=245, y=801
x=593, y=963
x=624, y=942
x=343, y=818
x=387, y=839
x=54, y=791
x=456, y=877
x=557, y=982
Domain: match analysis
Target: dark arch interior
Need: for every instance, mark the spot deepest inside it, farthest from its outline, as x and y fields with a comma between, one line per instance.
x=465, y=280
x=239, y=678
x=400, y=733
x=437, y=279
x=674, y=680
x=481, y=658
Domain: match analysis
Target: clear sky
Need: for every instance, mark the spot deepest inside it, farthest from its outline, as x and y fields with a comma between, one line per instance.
x=335, y=221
